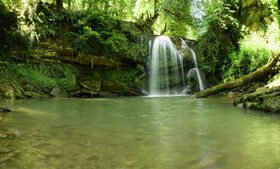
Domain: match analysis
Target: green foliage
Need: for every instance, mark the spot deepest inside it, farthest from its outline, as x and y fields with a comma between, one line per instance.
x=81, y=42
x=95, y=26
x=36, y=77
x=220, y=36
x=254, y=53
x=226, y=49
x=8, y=23
x=273, y=37
x=90, y=31
x=275, y=7
x=274, y=78
x=176, y=15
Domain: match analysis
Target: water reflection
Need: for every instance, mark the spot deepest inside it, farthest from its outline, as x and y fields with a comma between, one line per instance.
x=163, y=133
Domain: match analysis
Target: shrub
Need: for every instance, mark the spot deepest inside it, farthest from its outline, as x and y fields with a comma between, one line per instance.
x=254, y=53
x=36, y=77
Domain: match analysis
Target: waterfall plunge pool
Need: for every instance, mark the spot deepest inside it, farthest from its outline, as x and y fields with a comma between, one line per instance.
x=137, y=132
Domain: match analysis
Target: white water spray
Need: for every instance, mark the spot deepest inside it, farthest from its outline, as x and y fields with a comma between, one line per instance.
x=166, y=71
x=200, y=82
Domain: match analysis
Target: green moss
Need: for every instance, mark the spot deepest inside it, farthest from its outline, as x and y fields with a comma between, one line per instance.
x=58, y=92
x=267, y=99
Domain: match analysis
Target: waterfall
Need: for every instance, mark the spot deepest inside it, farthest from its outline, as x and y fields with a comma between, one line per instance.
x=166, y=71
x=166, y=68
x=200, y=82
x=198, y=77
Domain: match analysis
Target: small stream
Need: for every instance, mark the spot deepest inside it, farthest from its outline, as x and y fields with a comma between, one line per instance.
x=138, y=133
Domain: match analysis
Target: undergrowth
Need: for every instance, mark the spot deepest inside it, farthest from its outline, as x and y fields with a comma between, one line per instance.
x=38, y=77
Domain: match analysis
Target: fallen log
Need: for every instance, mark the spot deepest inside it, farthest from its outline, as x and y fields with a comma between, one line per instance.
x=269, y=69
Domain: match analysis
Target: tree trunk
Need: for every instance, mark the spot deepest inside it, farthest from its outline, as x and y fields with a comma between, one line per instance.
x=164, y=29
x=69, y=4
x=267, y=70
x=59, y=5
x=155, y=7
x=146, y=25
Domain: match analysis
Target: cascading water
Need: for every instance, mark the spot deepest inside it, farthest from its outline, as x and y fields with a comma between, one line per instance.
x=166, y=68
x=166, y=71
x=195, y=69
x=198, y=77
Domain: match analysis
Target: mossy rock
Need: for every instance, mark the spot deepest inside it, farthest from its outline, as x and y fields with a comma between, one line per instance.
x=271, y=104
x=58, y=92
x=74, y=91
x=266, y=99
x=19, y=95
x=90, y=86
x=111, y=87
x=10, y=91
x=32, y=95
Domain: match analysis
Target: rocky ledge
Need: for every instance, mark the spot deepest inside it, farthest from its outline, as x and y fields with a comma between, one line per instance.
x=265, y=98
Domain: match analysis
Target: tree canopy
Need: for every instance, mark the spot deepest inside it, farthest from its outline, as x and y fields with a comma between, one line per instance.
x=171, y=16
x=224, y=30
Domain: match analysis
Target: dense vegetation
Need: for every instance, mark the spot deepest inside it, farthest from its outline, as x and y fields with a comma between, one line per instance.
x=234, y=38
x=231, y=47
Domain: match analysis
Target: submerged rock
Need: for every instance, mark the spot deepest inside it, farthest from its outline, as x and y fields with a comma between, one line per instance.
x=4, y=149
x=3, y=136
x=4, y=110
x=6, y=157
x=18, y=132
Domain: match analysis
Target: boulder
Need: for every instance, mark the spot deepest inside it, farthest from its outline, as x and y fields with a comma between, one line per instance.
x=74, y=91
x=90, y=86
x=10, y=91
x=58, y=92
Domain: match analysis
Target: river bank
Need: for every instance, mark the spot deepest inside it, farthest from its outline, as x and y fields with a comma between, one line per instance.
x=55, y=79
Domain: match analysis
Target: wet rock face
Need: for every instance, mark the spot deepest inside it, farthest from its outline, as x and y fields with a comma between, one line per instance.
x=266, y=99
x=50, y=50
x=90, y=86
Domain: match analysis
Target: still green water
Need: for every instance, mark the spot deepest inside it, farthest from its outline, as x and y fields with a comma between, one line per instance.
x=137, y=132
